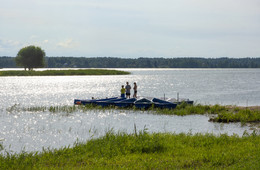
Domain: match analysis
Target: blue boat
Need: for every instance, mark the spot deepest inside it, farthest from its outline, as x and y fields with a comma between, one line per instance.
x=180, y=101
x=91, y=101
x=187, y=101
x=109, y=102
x=125, y=103
x=162, y=104
x=143, y=103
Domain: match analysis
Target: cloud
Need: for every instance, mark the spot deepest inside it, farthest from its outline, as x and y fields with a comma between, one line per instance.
x=8, y=44
x=33, y=36
x=132, y=28
x=9, y=47
x=69, y=43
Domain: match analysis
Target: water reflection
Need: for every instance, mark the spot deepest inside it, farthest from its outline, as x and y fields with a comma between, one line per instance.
x=33, y=131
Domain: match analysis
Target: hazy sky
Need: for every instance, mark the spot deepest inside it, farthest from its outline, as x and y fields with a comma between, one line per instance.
x=132, y=28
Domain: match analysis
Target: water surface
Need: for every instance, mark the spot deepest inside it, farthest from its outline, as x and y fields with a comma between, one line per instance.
x=31, y=131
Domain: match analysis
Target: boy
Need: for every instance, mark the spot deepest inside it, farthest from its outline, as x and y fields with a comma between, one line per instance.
x=123, y=92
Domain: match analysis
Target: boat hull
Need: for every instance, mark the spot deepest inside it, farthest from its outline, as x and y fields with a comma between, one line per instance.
x=140, y=104
x=158, y=103
x=94, y=101
x=125, y=103
x=109, y=102
x=143, y=103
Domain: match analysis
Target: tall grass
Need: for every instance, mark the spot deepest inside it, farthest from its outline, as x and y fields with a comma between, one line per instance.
x=243, y=116
x=223, y=114
x=146, y=151
x=63, y=72
x=1, y=145
x=54, y=109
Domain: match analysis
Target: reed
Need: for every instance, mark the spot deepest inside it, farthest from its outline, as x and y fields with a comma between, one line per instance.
x=185, y=109
x=242, y=115
x=220, y=113
x=1, y=146
x=144, y=150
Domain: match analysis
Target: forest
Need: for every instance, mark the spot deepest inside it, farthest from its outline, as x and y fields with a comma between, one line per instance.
x=113, y=62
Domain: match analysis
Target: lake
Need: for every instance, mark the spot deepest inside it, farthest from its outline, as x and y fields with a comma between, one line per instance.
x=30, y=131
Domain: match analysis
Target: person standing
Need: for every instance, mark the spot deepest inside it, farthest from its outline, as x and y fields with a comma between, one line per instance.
x=135, y=90
x=123, y=92
x=127, y=88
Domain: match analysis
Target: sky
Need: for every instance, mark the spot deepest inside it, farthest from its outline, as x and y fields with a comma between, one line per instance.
x=132, y=28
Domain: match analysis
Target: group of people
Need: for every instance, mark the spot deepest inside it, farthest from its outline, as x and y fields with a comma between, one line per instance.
x=126, y=91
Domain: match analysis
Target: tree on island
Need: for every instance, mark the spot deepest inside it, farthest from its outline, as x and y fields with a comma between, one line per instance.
x=30, y=57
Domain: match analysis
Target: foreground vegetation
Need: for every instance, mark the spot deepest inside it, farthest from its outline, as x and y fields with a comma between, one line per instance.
x=63, y=72
x=143, y=150
x=146, y=151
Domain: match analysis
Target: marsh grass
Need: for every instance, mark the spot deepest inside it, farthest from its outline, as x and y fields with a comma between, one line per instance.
x=220, y=113
x=244, y=116
x=1, y=145
x=144, y=150
x=223, y=114
x=63, y=72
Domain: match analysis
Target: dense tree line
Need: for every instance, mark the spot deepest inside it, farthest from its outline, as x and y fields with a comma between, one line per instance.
x=7, y=62
x=111, y=62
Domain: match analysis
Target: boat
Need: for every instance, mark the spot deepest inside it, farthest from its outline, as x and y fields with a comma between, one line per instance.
x=91, y=101
x=180, y=101
x=106, y=103
x=125, y=103
x=143, y=103
x=162, y=104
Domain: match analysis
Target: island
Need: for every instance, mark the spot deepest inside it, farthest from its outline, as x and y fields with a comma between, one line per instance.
x=67, y=72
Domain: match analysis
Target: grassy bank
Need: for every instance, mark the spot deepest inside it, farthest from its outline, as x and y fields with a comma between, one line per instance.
x=63, y=72
x=146, y=151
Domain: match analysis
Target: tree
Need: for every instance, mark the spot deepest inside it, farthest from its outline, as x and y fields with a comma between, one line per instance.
x=30, y=57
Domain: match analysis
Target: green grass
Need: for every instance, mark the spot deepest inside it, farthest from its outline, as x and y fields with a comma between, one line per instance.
x=186, y=109
x=146, y=151
x=238, y=116
x=63, y=72
x=223, y=114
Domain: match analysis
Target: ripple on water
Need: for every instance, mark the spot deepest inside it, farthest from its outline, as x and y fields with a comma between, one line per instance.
x=33, y=131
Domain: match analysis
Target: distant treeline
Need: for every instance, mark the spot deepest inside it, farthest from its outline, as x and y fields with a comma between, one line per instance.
x=112, y=62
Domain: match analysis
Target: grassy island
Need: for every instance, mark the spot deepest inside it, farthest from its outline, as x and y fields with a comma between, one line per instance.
x=63, y=72
x=218, y=113
x=146, y=151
